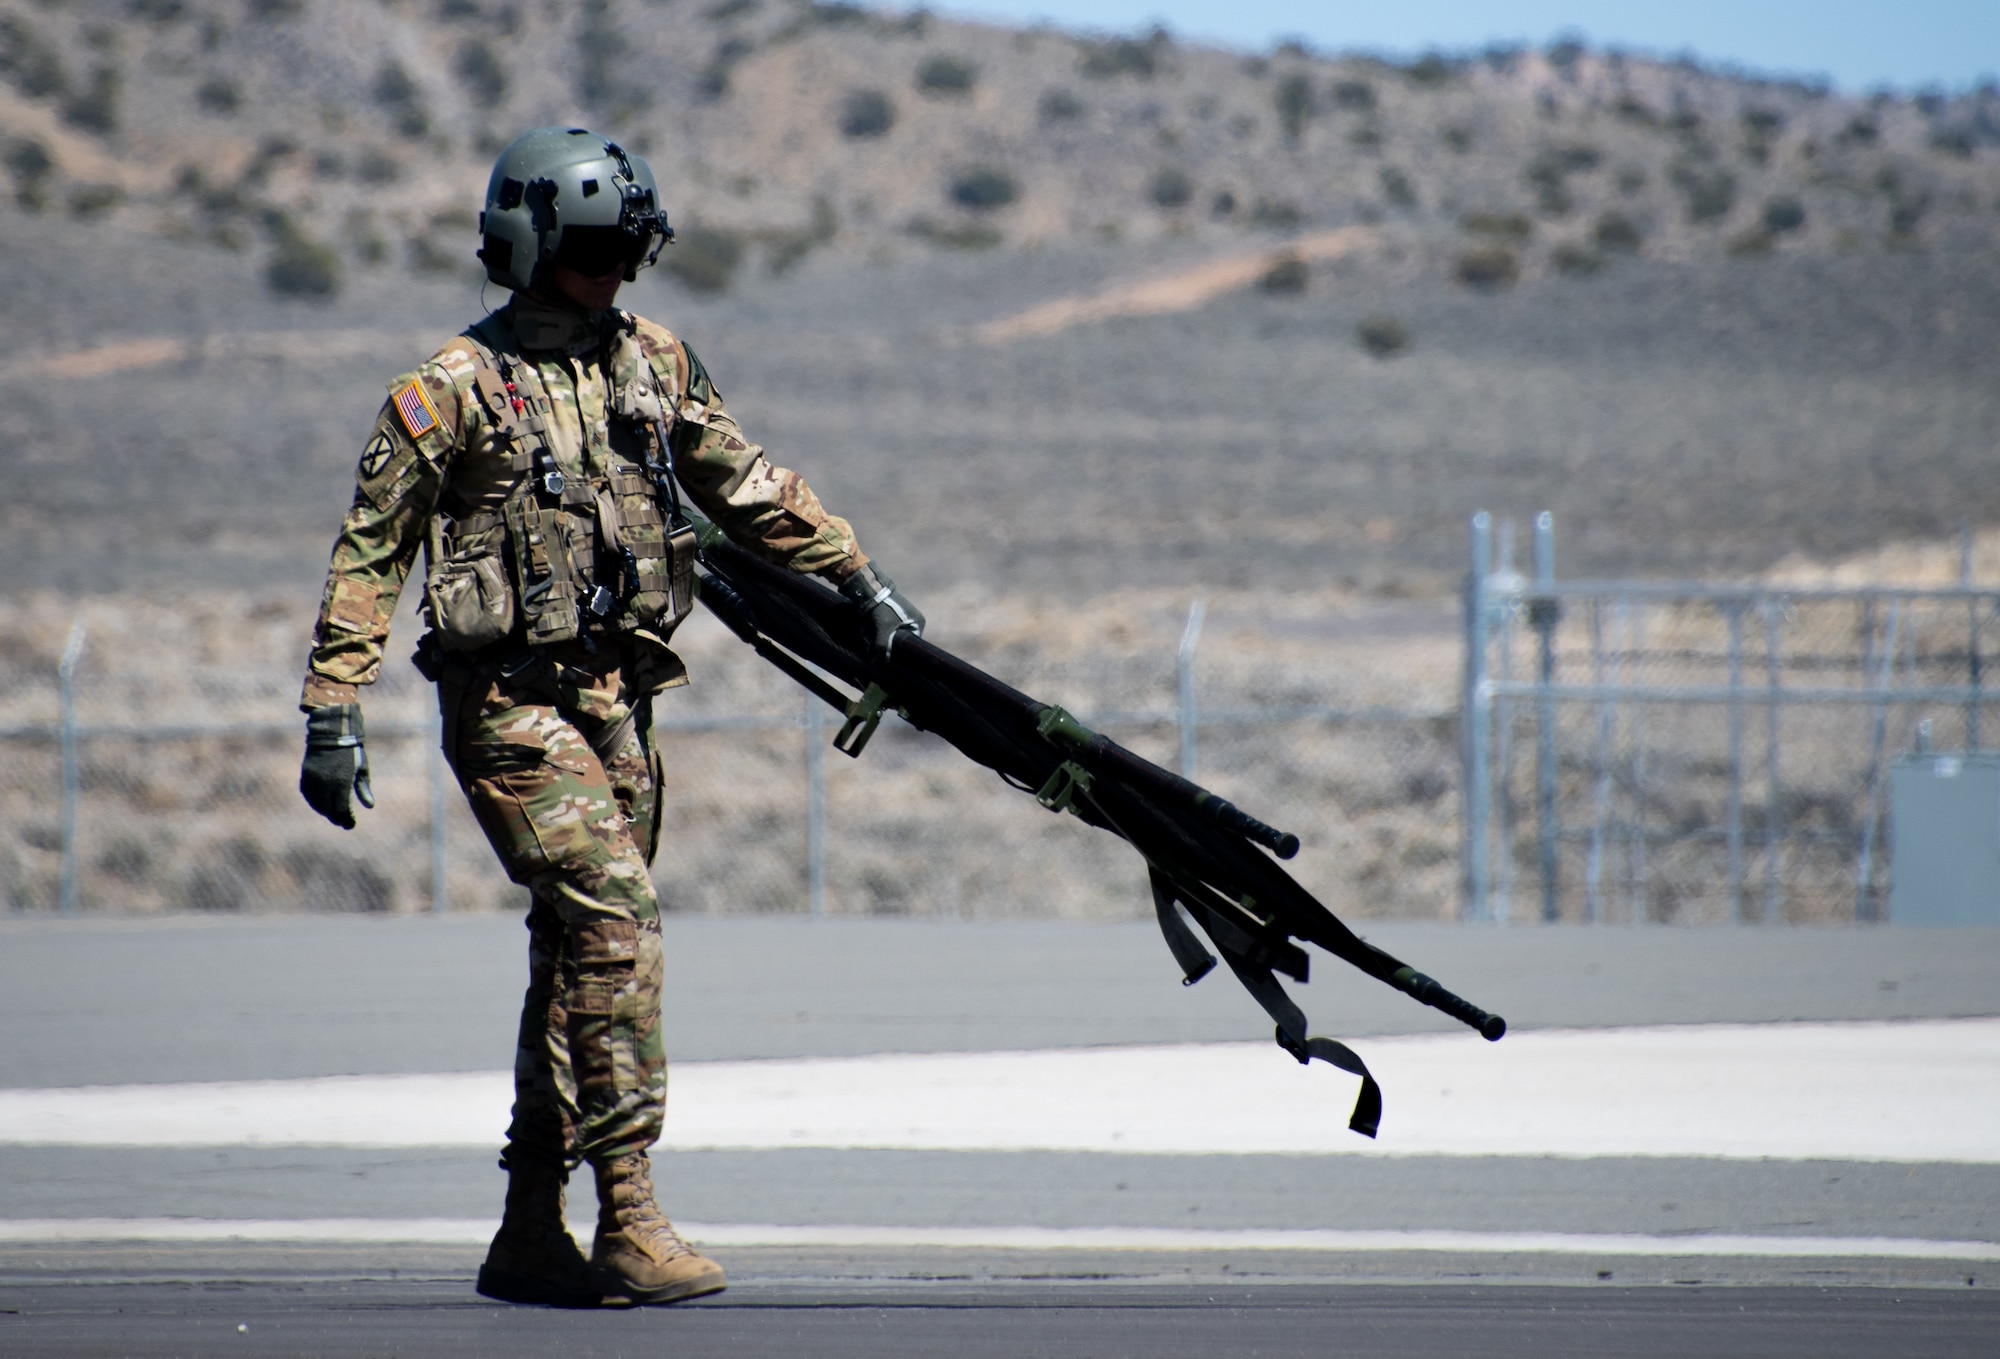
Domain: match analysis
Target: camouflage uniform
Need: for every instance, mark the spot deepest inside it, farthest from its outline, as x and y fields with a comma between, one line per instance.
x=552, y=743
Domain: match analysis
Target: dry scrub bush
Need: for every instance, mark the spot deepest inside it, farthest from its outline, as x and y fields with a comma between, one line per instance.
x=1287, y=276
x=1171, y=188
x=300, y=266
x=866, y=113
x=480, y=71
x=1575, y=261
x=1058, y=106
x=1381, y=336
x=944, y=76
x=1488, y=268
x=984, y=188
x=1505, y=226
x=1617, y=234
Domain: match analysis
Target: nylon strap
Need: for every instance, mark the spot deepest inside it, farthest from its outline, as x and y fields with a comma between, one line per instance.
x=608, y=522
x=1195, y=961
x=1251, y=960
x=610, y=740
x=451, y=697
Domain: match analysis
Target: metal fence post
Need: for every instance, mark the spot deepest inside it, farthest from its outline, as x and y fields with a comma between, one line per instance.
x=1544, y=613
x=1503, y=582
x=1774, y=810
x=440, y=773
x=1184, y=684
x=1971, y=636
x=72, y=780
x=1637, y=864
x=1733, y=815
x=1476, y=706
x=1866, y=904
x=815, y=810
x=1607, y=718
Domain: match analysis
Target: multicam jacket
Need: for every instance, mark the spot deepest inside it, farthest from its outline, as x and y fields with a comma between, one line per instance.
x=438, y=456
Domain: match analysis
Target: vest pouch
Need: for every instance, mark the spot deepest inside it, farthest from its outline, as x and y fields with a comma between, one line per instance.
x=681, y=548
x=539, y=545
x=653, y=666
x=469, y=601
x=664, y=593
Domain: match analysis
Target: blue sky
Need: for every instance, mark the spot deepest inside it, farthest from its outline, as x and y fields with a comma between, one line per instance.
x=1859, y=44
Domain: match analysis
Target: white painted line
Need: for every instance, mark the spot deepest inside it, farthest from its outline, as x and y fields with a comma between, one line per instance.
x=477, y=1231
x=444, y=1110
x=1925, y=1091
x=428, y=1231
x=1315, y=1239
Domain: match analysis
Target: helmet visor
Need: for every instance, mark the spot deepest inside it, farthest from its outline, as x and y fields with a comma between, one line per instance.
x=598, y=251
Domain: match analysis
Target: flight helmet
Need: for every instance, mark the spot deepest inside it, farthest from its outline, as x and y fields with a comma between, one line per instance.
x=568, y=196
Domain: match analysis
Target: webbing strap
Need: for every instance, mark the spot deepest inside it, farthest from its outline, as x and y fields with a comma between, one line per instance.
x=1251, y=961
x=1367, y=1115
x=476, y=523
x=608, y=522
x=451, y=698
x=499, y=403
x=433, y=543
x=491, y=383
x=610, y=740
x=1196, y=962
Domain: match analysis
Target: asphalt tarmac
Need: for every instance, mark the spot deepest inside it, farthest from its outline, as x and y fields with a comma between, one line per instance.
x=189, y=999
x=1645, y=1194
x=284, y=998
x=331, y=1320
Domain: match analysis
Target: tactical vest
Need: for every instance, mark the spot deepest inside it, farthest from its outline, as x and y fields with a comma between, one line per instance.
x=588, y=541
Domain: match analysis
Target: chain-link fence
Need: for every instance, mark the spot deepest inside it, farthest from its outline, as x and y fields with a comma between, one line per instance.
x=1693, y=752
x=1621, y=751
x=112, y=805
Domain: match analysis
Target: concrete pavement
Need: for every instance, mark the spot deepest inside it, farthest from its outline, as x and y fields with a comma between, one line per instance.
x=333, y=1320
x=160, y=1004
x=187, y=999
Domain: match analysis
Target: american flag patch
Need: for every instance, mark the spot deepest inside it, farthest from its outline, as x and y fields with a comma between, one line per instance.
x=415, y=408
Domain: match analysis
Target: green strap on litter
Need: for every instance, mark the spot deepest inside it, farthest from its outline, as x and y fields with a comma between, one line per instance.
x=1252, y=963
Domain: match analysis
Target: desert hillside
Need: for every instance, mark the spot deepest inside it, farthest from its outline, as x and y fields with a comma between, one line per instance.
x=285, y=128
x=1032, y=306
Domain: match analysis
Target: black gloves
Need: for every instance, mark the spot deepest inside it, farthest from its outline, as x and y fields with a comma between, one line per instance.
x=336, y=765
x=884, y=611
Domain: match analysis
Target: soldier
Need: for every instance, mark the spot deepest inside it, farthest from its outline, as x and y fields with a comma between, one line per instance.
x=535, y=459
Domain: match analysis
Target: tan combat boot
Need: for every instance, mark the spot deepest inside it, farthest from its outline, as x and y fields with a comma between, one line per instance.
x=638, y=1256
x=533, y=1257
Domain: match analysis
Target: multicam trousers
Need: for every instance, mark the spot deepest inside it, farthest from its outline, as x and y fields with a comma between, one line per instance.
x=576, y=829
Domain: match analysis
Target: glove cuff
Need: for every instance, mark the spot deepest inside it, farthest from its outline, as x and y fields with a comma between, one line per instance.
x=336, y=727
x=866, y=586
x=320, y=692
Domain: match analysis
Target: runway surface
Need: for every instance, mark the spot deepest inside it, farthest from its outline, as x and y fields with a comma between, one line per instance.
x=909, y=1137
x=331, y=1321
x=190, y=999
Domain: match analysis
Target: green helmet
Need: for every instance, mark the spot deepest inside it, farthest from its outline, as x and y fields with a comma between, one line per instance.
x=568, y=196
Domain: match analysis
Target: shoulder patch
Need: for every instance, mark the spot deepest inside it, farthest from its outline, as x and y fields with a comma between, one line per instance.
x=376, y=456
x=419, y=417
x=699, y=388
